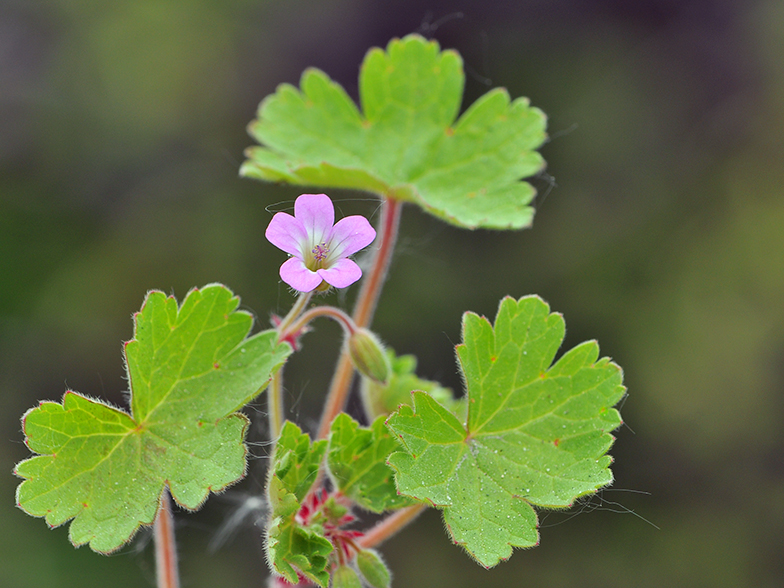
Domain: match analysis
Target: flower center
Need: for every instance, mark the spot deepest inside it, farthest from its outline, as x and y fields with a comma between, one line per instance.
x=320, y=254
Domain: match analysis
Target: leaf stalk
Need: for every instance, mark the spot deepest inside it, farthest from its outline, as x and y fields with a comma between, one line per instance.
x=165, y=545
x=390, y=526
x=363, y=311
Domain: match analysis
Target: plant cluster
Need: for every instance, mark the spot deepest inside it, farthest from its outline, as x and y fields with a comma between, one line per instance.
x=530, y=431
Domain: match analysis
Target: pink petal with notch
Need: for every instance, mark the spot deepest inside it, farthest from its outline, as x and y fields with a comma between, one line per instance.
x=299, y=277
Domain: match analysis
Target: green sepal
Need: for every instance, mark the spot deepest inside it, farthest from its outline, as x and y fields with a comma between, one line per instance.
x=357, y=464
x=368, y=355
x=406, y=143
x=373, y=569
x=536, y=434
x=345, y=577
x=383, y=399
x=190, y=367
x=292, y=547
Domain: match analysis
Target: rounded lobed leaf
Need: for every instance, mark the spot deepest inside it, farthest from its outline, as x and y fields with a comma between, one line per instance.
x=536, y=433
x=190, y=368
x=406, y=143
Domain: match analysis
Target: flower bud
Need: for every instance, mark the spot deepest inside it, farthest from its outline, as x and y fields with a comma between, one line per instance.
x=345, y=577
x=373, y=569
x=368, y=355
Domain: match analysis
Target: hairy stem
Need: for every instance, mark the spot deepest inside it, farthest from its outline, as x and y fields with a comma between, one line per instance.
x=165, y=545
x=390, y=526
x=275, y=404
x=296, y=310
x=334, y=313
x=275, y=412
x=371, y=286
x=363, y=311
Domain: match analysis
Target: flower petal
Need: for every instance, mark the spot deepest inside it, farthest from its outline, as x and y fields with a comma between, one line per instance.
x=343, y=273
x=350, y=235
x=288, y=233
x=317, y=215
x=296, y=275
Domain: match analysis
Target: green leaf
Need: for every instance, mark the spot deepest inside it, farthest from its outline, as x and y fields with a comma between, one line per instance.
x=536, y=434
x=292, y=547
x=357, y=461
x=383, y=399
x=296, y=463
x=190, y=368
x=406, y=143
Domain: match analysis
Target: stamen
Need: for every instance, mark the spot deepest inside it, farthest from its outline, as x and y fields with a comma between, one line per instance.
x=320, y=252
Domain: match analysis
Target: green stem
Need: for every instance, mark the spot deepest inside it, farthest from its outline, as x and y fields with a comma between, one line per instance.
x=363, y=311
x=296, y=310
x=275, y=412
x=275, y=404
x=165, y=545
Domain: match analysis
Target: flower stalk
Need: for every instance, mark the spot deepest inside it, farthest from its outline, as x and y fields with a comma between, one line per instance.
x=363, y=311
x=275, y=404
x=338, y=315
x=363, y=347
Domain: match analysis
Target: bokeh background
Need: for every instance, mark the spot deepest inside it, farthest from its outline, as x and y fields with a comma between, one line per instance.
x=659, y=231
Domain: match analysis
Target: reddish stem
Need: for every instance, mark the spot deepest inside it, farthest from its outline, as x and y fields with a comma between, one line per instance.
x=363, y=311
x=165, y=545
x=334, y=313
x=371, y=286
x=391, y=525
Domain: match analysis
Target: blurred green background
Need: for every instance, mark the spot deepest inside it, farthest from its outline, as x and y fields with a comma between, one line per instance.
x=659, y=231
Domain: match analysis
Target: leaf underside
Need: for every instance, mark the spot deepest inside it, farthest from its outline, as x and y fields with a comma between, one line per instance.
x=536, y=433
x=190, y=369
x=405, y=143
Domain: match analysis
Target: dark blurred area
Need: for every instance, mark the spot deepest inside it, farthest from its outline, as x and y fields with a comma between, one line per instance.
x=659, y=232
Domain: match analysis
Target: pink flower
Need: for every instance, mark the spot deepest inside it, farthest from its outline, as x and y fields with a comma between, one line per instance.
x=319, y=248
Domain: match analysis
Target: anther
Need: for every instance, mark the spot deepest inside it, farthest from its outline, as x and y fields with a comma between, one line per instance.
x=320, y=252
